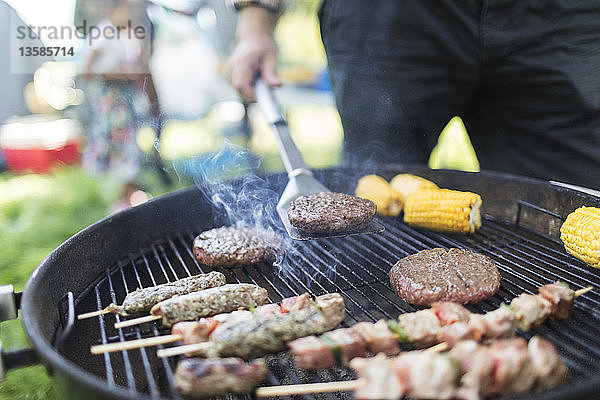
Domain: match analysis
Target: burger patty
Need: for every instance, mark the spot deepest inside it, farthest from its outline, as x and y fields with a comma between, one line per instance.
x=232, y=246
x=329, y=212
x=440, y=274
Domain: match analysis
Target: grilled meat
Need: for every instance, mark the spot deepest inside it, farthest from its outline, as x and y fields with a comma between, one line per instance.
x=561, y=296
x=382, y=381
x=236, y=246
x=438, y=274
x=345, y=344
x=338, y=347
x=435, y=377
x=200, y=378
x=377, y=337
x=209, y=302
x=499, y=323
x=330, y=212
x=419, y=328
x=445, y=322
x=477, y=366
x=550, y=369
x=269, y=333
x=512, y=373
x=295, y=303
x=199, y=331
x=140, y=301
x=193, y=331
x=530, y=310
x=312, y=353
x=470, y=371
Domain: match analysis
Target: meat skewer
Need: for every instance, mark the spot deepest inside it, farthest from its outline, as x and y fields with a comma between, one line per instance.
x=200, y=377
x=444, y=322
x=470, y=371
x=205, y=377
x=269, y=333
x=189, y=332
x=205, y=303
x=142, y=300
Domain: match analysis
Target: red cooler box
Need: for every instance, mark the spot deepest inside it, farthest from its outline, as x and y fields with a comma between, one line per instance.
x=37, y=143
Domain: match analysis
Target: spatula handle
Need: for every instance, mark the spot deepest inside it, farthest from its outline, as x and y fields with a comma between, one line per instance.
x=291, y=156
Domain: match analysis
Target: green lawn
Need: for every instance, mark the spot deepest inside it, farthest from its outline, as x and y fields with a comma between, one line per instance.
x=37, y=213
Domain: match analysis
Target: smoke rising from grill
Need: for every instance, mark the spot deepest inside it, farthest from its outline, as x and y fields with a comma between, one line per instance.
x=230, y=181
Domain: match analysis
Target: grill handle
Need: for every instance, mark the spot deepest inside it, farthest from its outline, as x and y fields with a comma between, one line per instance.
x=291, y=156
x=10, y=302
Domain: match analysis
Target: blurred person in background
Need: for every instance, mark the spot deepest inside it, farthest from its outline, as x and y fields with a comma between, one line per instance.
x=523, y=75
x=119, y=88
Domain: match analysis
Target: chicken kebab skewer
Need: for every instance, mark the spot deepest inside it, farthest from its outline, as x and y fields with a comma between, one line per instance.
x=141, y=301
x=207, y=377
x=191, y=332
x=470, y=371
x=444, y=322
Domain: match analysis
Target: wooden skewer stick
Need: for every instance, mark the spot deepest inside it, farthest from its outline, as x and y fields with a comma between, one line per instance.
x=323, y=387
x=136, y=321
x=134, y=344
x=177, y=350
x=94, y=313
x=583, y=291
x=190, y=348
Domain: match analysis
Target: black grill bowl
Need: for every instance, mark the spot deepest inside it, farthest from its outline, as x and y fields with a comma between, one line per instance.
x=151, y=243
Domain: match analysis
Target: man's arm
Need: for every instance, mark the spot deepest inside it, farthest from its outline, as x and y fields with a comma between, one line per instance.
x=255, y=52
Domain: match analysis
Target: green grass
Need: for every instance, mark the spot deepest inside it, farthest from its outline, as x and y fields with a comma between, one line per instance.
x=37, y=213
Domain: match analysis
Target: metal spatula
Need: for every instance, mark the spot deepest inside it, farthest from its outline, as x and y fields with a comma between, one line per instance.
x=301, y=180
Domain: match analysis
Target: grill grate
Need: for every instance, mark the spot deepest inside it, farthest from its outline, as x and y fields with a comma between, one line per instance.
x=357, y=267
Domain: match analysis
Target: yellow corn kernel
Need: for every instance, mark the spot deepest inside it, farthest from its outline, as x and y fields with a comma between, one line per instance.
x=378, y=190
x=407, y=184
x=443, y=210
x=581, y=235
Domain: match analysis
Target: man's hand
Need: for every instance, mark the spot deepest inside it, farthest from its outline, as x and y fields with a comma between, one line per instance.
x=255, y=53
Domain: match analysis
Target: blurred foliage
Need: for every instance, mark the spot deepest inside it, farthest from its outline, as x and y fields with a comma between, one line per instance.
x=316, y=131
x=38, y=213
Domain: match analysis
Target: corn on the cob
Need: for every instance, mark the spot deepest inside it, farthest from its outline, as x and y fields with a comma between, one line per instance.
x=444, y=210
x=581, y=235
x=407, y=184
x=373, y=187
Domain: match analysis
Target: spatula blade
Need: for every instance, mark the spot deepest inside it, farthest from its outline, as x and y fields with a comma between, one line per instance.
x=298, y=234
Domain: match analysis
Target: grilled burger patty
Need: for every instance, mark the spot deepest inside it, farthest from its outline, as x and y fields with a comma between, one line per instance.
x=209, y=302
x=142, y=300
x=440, y=274
x=329, y=212
x=230, y=246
